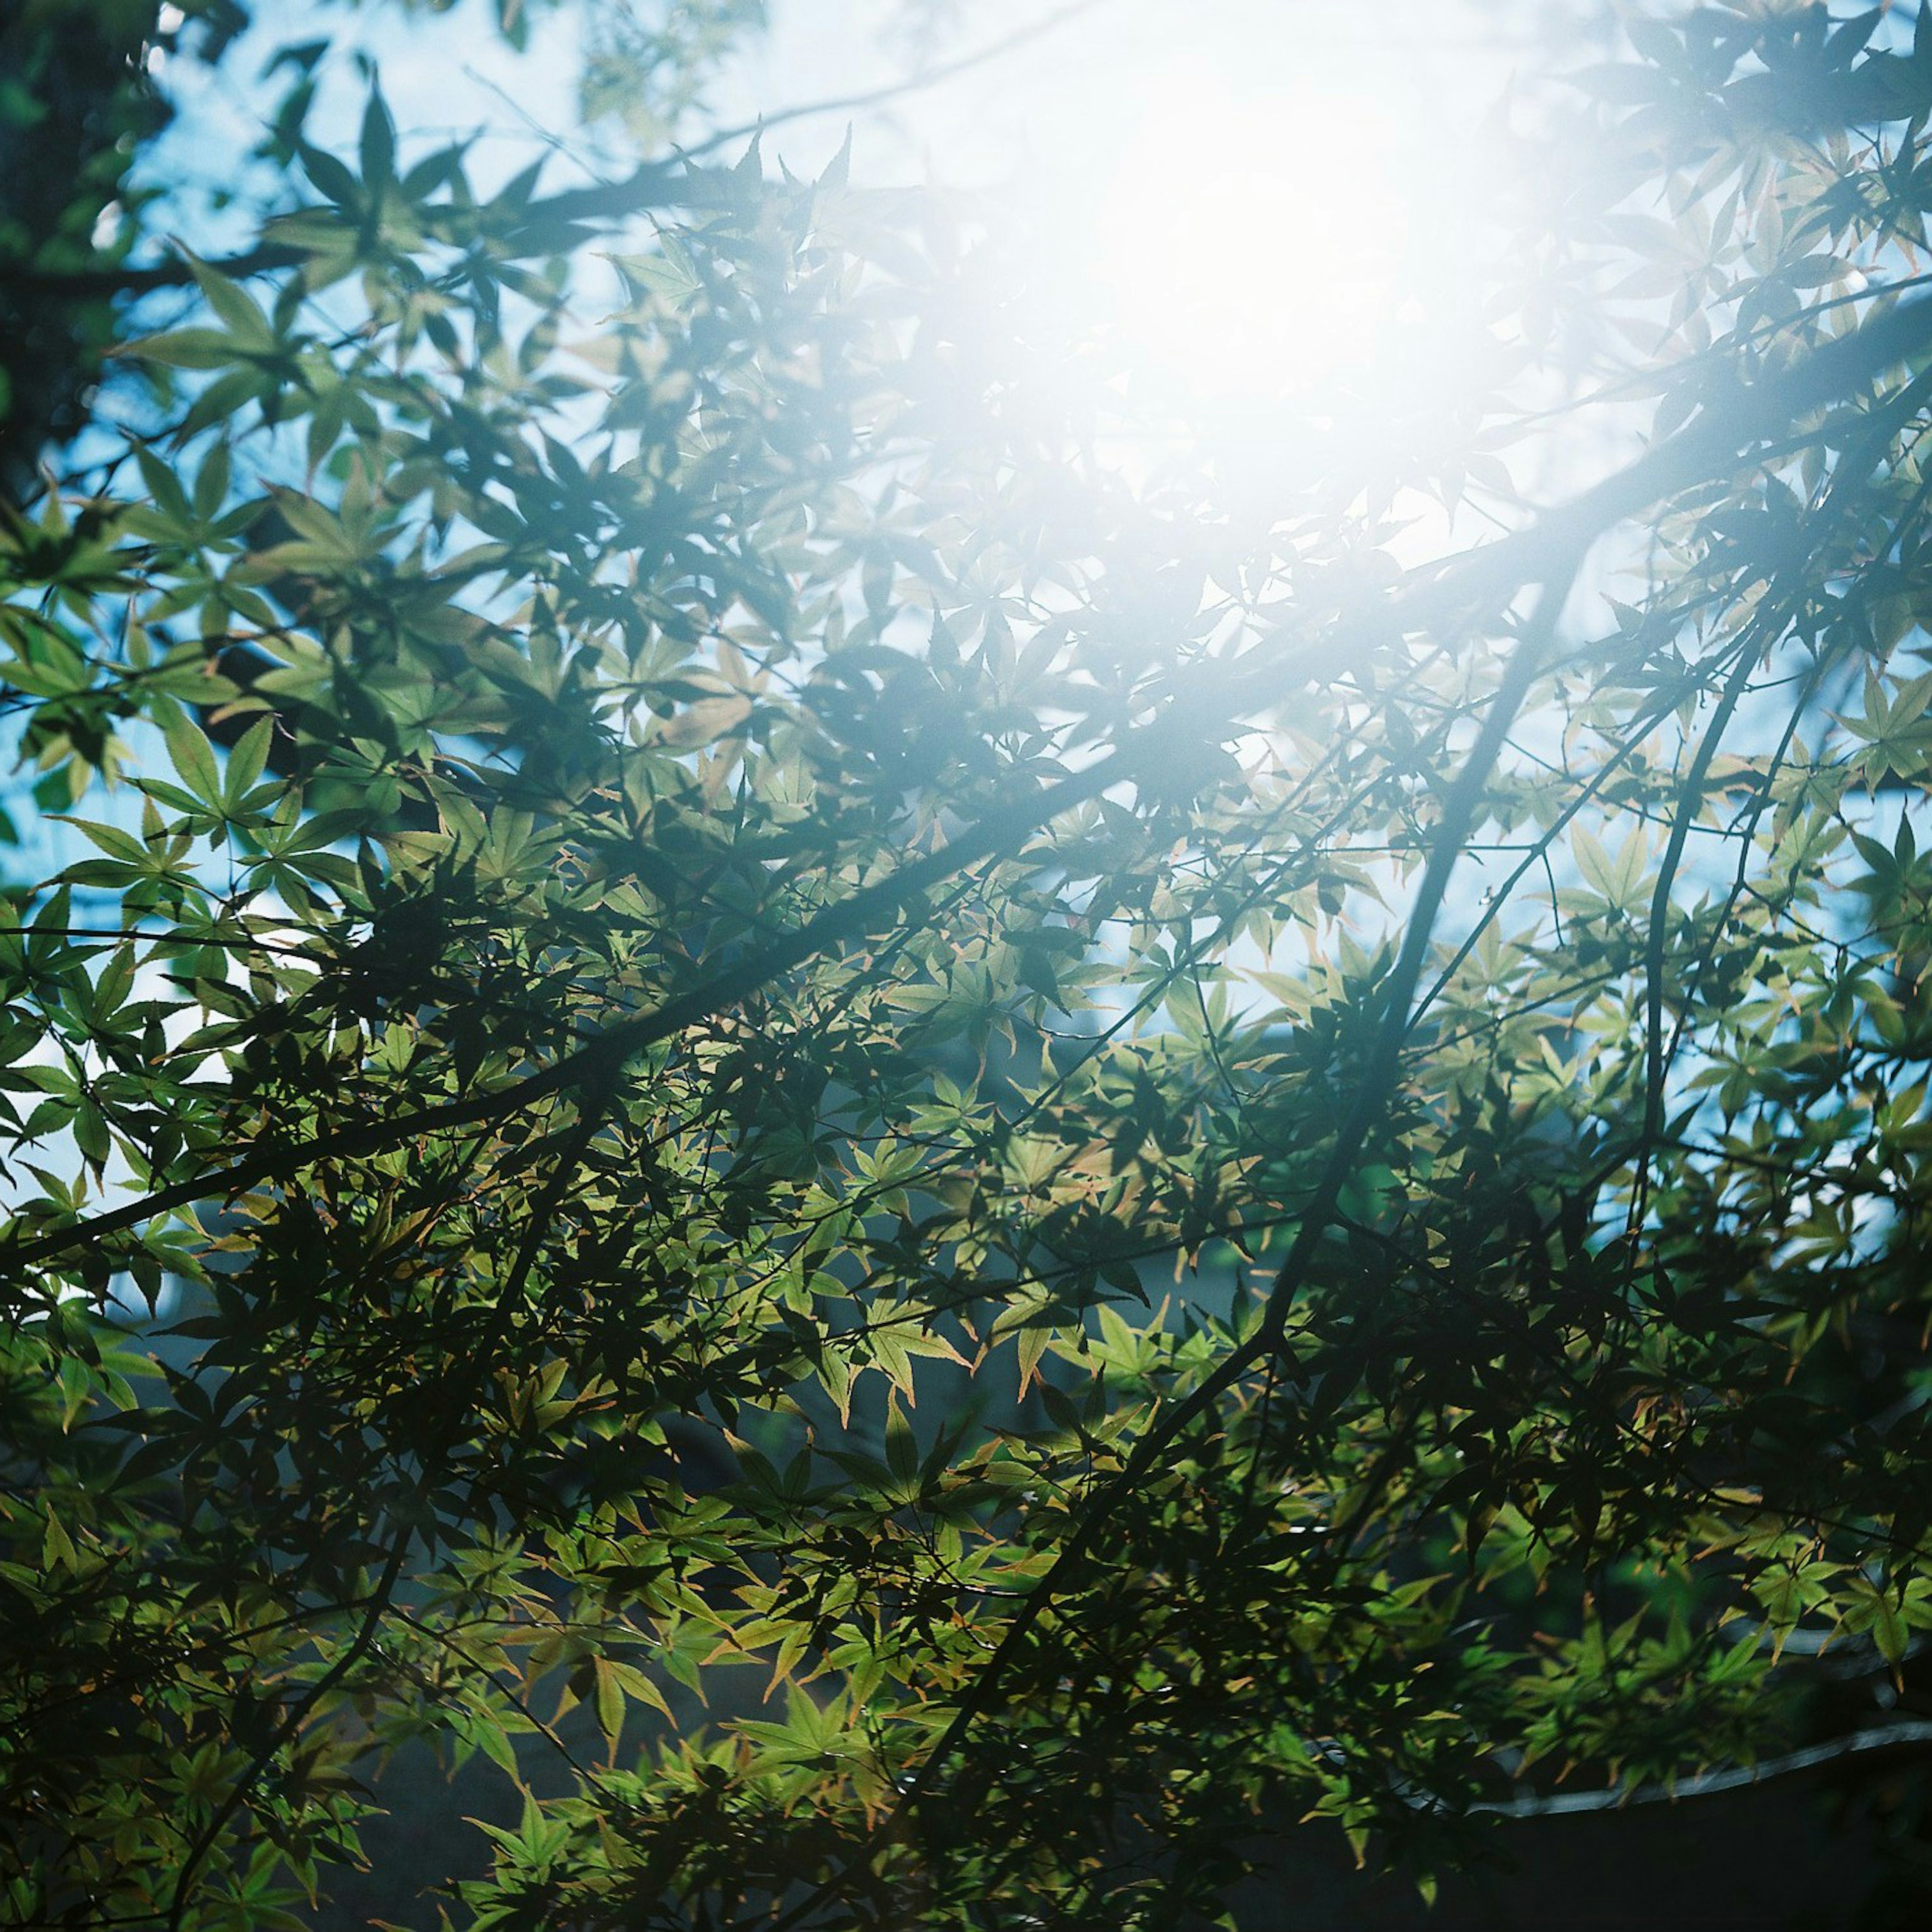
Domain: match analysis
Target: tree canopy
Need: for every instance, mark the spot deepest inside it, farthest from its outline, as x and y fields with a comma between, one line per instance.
x=917, y=1171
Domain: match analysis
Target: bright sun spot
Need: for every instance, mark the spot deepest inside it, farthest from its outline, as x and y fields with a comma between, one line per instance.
x=1230, y=244
x=1265, y=262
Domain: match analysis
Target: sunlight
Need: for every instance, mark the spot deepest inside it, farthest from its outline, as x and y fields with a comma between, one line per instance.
x=1267, y=263
x=1232, y=244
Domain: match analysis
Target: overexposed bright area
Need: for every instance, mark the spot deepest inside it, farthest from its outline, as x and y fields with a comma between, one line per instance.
x=1215, y=207
x=1272, y=258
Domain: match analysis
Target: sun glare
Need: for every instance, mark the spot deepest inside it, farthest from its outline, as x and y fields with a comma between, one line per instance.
x=1231, y=243
x=1266, y=263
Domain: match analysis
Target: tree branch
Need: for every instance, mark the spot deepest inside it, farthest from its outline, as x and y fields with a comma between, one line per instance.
x=430, y=1474
x=1439, y=595
x=1374, y=1088
x=654, y=185
x=1710, y=1784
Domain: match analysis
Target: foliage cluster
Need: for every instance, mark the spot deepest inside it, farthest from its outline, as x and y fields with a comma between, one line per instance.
x=1116, y=1157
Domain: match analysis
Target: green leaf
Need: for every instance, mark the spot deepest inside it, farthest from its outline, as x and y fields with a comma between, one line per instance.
x=237, y=310
x=377, y=148
x=193, y=760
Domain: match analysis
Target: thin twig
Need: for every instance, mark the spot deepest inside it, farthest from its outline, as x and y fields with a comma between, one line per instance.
x=1709, y=1783
x=888, y=92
